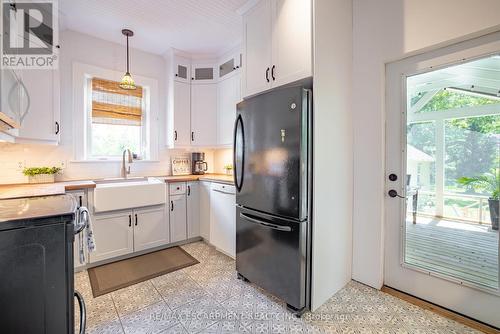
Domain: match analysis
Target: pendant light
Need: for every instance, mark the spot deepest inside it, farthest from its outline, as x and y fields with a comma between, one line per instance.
x=127, y=81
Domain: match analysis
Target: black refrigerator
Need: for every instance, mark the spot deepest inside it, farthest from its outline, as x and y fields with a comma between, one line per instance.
x=272, y=173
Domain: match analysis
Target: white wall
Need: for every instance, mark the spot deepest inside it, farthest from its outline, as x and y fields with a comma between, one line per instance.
x=332, y=215
x=384, y=31
x=77, y=47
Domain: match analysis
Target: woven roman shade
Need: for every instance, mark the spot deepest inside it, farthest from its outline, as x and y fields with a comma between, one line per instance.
x=114, y=105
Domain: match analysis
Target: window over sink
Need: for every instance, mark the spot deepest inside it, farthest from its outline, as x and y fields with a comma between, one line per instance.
x=117, y=120
x=108, y=119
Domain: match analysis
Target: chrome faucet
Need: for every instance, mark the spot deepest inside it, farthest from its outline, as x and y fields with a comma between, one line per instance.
x=126, y=170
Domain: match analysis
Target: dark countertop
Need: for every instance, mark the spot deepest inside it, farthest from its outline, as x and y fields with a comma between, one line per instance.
x=20, y=212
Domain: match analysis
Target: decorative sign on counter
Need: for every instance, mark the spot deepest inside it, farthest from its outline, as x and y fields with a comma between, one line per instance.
x=181, y=166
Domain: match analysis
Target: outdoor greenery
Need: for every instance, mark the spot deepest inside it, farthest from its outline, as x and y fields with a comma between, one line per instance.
x=487, y=183
x=445, y=99
x=471, y=144
x=32, y=171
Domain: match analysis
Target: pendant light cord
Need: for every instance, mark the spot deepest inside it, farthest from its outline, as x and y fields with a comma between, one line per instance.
x=127, y=56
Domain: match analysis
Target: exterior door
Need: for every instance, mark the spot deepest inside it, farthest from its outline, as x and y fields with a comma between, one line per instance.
x=441, y=244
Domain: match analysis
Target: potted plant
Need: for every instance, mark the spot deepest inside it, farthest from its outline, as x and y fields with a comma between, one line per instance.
x=41, y=174
x=229, y=169
x=488, y=183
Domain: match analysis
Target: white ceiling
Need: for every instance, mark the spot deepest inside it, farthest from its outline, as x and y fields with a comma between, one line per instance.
x=197, y=26
x=483, y=74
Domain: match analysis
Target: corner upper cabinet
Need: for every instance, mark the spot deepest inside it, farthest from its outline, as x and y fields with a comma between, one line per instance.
x=179, y=115
x=203, y=73
x=181, y=68
x=274, y=30
x=228, y=95
x=204, y=114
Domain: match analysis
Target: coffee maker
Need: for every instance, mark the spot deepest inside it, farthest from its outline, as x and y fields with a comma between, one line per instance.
x=198, y=164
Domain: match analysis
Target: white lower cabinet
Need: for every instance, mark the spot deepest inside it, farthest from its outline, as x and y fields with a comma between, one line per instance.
x=193, y=209
x=150, y=228
x=114, y=235
x=223, y=218
x=178, y=219
x=124, y=232
x=204, y=189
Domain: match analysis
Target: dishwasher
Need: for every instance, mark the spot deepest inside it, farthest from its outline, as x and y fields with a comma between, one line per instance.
x=223, y=218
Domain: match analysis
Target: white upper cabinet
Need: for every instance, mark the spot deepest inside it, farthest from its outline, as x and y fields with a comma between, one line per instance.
x=40, y=106
x=292, y=41
x=257, y=48
x=203, y=73
x=204, y=115
x=181, y=68
x=228, y=95
x=229, y=65
x=277, y=44
x=179, y=119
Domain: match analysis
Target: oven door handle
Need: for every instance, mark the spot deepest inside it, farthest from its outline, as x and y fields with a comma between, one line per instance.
x=83, y=312
x=82, y=217
x=266, y=224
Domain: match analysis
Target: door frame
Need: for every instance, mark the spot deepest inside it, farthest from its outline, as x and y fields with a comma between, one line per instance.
x=445, y=292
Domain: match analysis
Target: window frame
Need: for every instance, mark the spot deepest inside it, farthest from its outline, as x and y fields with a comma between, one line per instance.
x=82, y=104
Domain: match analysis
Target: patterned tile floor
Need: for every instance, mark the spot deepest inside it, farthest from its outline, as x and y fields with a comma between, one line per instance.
x=207, y=298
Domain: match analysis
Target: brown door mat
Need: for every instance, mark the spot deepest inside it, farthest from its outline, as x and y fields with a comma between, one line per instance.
x=113, y=276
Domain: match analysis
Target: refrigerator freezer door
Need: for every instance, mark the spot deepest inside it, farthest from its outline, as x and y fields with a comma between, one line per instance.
x=271, y=152
x=271, y=252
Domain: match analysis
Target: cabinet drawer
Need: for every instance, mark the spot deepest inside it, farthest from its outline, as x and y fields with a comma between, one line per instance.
x=177, y=188
x=224, y=188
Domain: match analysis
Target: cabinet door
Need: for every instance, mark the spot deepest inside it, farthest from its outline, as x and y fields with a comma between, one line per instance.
x=257, y=48
x=40, y=100
x=205, y=210
x=182, y=114
x=292, y=41
x=228, y=95
x=204, y=114
x=193, y=210
x=150, y=228
x=113, y=235
x=178, y=228
x=182, y=69
x=223, y=218
x=203, y=73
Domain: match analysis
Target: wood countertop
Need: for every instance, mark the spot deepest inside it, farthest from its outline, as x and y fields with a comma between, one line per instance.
x=58, y=188
x=42, y=189
x=222, y=178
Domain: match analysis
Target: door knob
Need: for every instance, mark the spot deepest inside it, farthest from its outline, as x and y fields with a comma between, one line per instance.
x=393, y=193
x=393, y=177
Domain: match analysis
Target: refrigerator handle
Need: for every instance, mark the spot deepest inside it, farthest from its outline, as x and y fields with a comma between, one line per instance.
x=266, y=224
x=239, y=121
